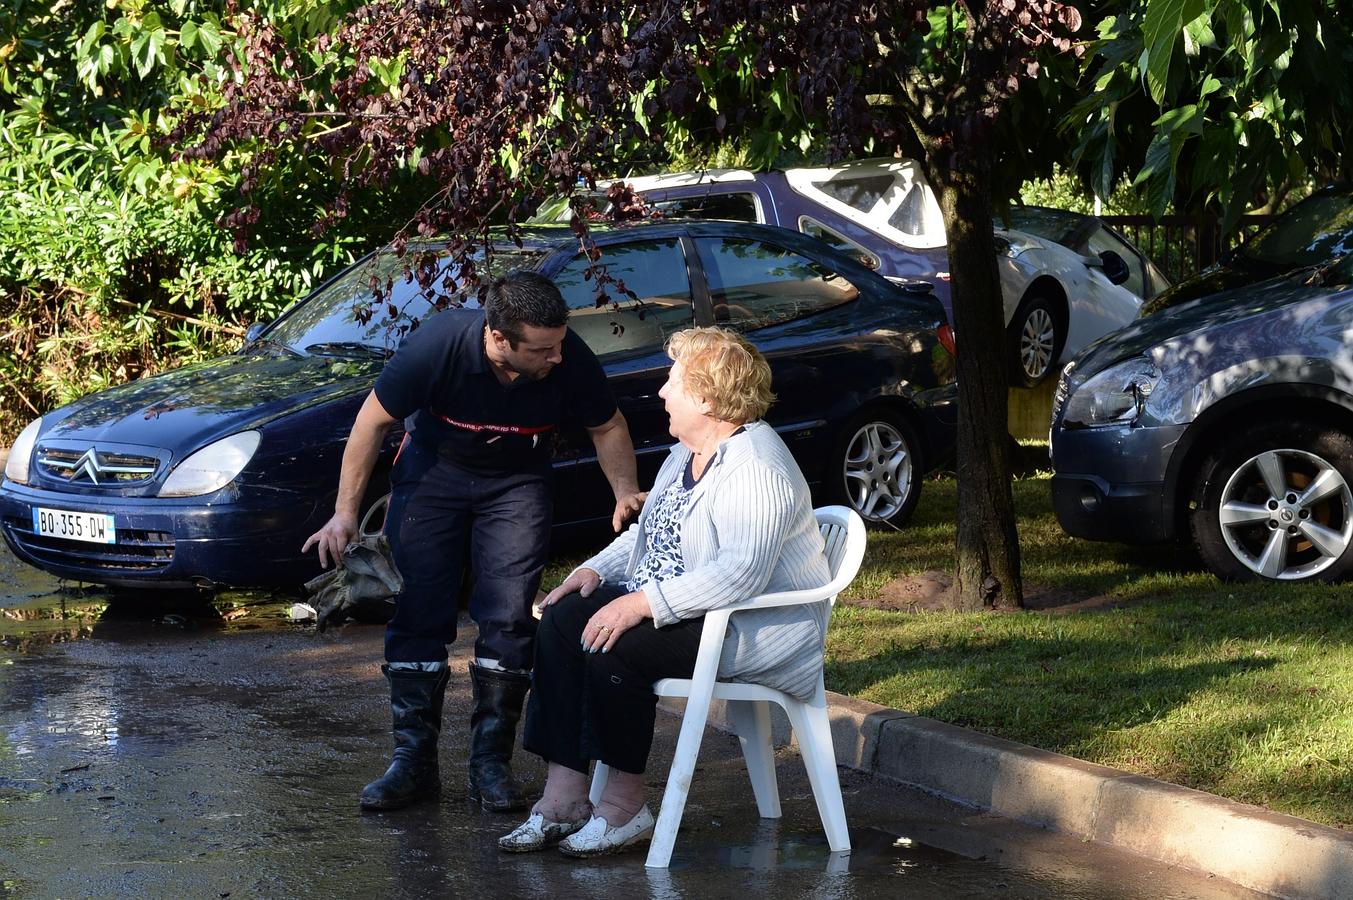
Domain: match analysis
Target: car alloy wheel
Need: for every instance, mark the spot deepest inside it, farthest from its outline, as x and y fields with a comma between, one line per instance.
x=878, y=471
x=1035, y=336
x=1037, y=339
x=1275, y=503
x=1286, y=514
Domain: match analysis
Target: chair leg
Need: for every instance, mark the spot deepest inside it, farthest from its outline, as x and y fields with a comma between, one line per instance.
x=679, y=779
x=814, y=731
x=751, y=721
x=600, y=773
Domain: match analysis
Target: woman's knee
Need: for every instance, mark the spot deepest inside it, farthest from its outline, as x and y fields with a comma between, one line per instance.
x=564, y=621
x=612, y=673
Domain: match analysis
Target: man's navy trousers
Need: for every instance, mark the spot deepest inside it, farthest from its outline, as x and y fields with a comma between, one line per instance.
x=438, y=509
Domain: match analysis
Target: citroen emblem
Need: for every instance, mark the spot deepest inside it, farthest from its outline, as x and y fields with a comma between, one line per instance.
x=88, y=464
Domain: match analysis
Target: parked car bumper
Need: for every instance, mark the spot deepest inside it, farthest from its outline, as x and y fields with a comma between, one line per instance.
x=1109, y=484
x=202, y=541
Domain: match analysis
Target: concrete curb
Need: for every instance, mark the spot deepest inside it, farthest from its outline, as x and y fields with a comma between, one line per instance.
x=1250, y=846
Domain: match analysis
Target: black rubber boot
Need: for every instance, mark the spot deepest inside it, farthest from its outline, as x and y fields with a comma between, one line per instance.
x=498, y=698
x=416, y=705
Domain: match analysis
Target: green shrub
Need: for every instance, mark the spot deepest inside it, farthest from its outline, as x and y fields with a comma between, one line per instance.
x=112, y=263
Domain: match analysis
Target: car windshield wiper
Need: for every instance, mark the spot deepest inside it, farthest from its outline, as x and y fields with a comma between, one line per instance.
x=346, y=348
x=271, y=344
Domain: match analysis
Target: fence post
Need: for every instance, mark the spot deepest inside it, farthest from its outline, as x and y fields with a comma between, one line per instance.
x=1209, y=240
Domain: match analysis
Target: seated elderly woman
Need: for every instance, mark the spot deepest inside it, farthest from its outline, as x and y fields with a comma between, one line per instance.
x=729, y=517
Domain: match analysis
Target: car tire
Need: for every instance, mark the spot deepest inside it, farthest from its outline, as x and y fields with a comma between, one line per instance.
x=1035, y=336
x=1276, y=504
x=875, y=467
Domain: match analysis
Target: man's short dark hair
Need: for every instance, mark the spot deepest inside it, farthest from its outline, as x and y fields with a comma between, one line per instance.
x=523, y=298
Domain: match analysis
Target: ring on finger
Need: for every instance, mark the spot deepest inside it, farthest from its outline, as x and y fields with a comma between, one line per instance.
x=605, y=628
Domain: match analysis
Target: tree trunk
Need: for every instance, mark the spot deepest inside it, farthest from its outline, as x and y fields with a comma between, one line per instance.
x=987, y=571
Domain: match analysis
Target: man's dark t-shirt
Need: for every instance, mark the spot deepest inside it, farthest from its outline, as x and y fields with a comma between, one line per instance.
x=442, y=377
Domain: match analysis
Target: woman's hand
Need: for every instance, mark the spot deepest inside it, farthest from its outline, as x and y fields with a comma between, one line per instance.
x=582, y=580
x=614, y=619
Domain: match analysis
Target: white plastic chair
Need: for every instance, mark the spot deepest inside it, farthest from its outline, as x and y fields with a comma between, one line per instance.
x=749, y=707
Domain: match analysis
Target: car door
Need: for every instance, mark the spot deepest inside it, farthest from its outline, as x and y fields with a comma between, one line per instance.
x=625, y=316
x=796, y=310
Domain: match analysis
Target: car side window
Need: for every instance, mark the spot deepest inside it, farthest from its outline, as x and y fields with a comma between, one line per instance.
x=860, y=192
x=754, y=284
x=815, y=229
x=737, y=207
x=1103, y=240
x=655, y=272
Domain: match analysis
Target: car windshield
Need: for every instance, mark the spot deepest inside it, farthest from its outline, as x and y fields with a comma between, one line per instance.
x=557, y=209
x=1317, y=229
x=342, y=319
x=1055, y=225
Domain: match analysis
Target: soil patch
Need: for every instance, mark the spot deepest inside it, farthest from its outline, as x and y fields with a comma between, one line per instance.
x=929, y=591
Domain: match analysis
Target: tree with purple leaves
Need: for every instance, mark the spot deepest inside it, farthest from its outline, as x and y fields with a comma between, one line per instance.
x=505, y=103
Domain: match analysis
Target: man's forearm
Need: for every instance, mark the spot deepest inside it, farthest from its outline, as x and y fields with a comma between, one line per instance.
x=359, y=459
x=359, y=456
x=615, y=453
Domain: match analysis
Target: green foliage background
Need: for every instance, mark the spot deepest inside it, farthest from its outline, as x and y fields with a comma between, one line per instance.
x=111, y=262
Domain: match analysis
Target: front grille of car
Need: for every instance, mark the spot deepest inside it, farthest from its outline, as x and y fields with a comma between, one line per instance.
x=136, y=550
x=96, y=467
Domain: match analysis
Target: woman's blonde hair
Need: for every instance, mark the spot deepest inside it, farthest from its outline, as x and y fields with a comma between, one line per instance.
x=726, y=370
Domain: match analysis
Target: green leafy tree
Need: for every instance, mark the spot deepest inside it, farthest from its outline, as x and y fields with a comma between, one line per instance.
x=113, y=263
x=1218, y=105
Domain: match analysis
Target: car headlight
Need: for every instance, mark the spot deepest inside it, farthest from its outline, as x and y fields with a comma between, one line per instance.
x=1115, y=396
x=16, y=467
x=212, y=467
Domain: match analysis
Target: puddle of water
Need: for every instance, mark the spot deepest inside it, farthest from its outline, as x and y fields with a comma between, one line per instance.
x=38, y=610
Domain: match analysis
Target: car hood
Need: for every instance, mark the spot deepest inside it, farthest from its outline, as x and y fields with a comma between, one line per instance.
x=186, y=408
x=1232, y=306
x=1212, y=280
x=1014, y=243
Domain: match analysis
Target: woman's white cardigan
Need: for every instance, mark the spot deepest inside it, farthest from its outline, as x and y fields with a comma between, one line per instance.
x=749, y=529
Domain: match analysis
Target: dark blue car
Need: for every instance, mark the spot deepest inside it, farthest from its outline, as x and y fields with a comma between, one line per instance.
x=1227, y=420
x=214, y=474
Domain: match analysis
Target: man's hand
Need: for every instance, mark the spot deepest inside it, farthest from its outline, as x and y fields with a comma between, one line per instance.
x=615, y=453
x=614, y=619
x=627, y=505
x=584, y=581
x=333, y=538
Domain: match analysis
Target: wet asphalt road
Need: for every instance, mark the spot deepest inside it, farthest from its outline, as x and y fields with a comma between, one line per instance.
x=215, y=749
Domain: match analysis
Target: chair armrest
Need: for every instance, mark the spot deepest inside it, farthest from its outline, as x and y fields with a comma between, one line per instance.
x=783, y=598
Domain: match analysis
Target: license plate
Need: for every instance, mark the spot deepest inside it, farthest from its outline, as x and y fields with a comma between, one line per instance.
x=96, y=528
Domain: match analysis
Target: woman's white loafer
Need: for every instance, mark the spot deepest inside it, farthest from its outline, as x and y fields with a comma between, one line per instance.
x=596, y=838
x=537, y=834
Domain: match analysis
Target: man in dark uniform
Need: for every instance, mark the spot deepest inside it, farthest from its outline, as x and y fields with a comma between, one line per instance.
x=484, y=389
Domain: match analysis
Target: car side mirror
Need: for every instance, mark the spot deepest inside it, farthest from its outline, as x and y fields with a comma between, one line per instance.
x=254, y=332
x=1115, y=269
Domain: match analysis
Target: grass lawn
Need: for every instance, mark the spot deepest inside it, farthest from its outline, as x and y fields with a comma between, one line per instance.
x=1241, y=690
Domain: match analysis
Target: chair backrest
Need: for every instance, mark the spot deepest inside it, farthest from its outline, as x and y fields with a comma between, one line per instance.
x=844, y=534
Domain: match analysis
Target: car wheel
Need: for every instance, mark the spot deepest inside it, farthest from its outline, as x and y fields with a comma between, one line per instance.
x=875, y=469
x=1276, y=504
x=1036, y=335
